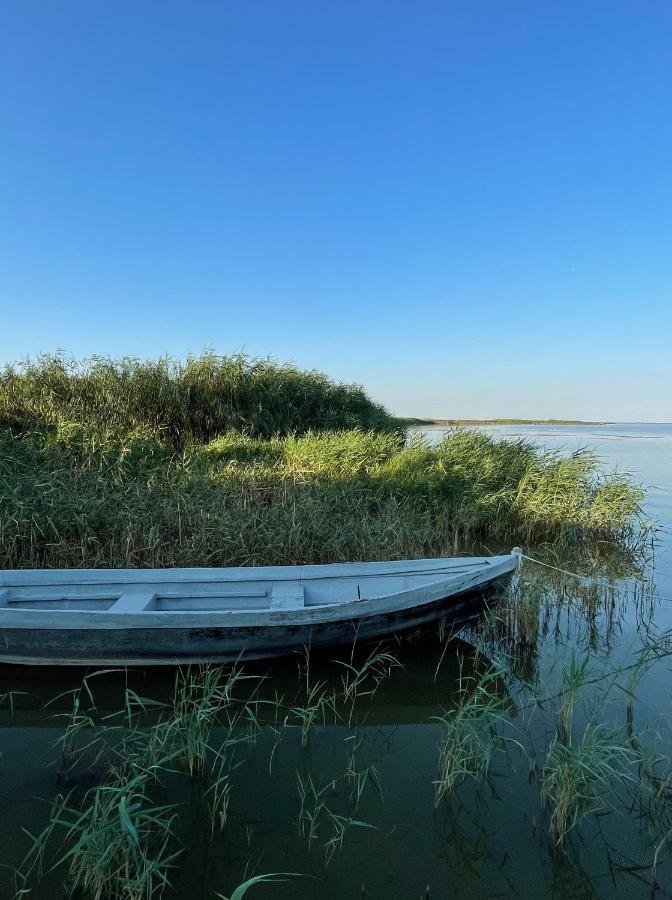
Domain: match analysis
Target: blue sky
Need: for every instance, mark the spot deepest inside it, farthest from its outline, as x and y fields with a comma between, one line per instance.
x=466, y=207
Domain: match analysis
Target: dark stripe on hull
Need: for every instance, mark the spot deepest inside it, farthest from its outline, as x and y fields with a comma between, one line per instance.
x=166, y=646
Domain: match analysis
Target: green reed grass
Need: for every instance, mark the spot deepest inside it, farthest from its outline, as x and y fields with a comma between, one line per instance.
x=579, y=778
x=360, y=776
x=120, y=844
x=117, y=838
x=74, y=497
x=363, y=678
x=318, y=816
x=319, y=703
x=9, y=699
x=471, y=732
x=243, y=888
x=196, y=399
x=201, y=696
x=117, y=835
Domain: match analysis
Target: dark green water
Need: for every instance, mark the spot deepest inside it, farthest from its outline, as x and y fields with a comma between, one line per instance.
x=485, y=840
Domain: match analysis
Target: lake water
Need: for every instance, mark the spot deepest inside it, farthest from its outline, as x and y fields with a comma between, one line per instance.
x=486, y=840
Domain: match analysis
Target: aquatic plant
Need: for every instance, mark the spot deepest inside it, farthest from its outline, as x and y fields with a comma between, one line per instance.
x=315, y=814
x=243, y=888
x=470, y=732
x=360, y=776
x=201, y=696
x=124, y=766
x=362, y=679
x=117, y=837
x=580, y=777
x=120, y=844
x=219, y=791
x=9, y=698
x=574, y=676
x=319, y=702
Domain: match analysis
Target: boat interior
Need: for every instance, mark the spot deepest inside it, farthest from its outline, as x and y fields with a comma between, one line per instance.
x=131, y=591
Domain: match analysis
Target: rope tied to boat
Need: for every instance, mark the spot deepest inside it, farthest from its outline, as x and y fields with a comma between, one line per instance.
x=588, y=579
x=539, y=562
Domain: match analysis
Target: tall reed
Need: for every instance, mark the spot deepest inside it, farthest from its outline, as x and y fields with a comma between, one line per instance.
x=194, y=399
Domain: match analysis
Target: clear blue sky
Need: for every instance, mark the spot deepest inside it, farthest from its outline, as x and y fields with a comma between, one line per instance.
x=467, y=207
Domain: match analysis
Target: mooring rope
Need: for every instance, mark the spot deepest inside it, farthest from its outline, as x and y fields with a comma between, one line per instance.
x=556, y=568
x=587, y=579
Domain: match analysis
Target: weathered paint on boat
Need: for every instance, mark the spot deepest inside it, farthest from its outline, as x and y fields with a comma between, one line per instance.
x=180, y=616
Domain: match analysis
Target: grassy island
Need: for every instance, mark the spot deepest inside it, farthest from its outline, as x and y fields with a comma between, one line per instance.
x=234, y=461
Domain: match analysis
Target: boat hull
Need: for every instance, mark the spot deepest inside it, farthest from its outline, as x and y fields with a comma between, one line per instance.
x=182, y=646
x=181, y=616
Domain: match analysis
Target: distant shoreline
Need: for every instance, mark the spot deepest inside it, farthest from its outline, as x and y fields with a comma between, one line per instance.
x=409, y=421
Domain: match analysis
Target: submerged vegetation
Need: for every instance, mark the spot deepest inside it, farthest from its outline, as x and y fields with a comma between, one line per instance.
x=230, y=461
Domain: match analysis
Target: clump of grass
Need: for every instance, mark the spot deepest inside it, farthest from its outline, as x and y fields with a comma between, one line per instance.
x=360, y=776
x=319, y=702
x=200, y=697
x=362, y=679
x=470, y=732
x=120, y=844
x=117, y=837
x=579, y=778
x=574, y=676
x=316, y=815
x=9, y=699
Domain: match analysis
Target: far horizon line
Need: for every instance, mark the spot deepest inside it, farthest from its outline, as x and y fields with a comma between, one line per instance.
x=503, y=420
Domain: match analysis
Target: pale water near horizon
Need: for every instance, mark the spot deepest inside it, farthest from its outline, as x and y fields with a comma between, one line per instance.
x=483, y=842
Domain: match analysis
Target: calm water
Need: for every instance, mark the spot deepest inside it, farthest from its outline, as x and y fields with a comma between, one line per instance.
x=486, y=841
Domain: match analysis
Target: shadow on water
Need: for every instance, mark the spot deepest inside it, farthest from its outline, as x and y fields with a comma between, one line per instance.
x=406, y=689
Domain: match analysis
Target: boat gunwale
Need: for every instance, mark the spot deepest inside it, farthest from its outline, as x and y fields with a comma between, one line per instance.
x=230, y=619
x=198, y=575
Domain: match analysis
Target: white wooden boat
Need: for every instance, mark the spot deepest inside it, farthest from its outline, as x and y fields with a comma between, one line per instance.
x=176, y=616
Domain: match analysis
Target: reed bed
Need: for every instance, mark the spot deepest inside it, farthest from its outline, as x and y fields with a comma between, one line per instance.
x=71, y=496
x=194, y=400
x=236, y=461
